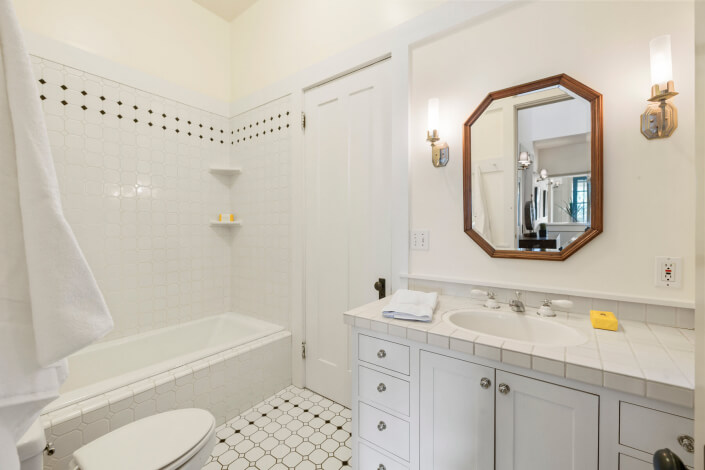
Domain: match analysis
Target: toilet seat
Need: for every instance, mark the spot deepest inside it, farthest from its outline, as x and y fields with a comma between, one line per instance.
x=164, y=441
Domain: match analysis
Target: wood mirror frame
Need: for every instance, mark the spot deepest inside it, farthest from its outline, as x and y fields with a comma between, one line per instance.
x=595, y=100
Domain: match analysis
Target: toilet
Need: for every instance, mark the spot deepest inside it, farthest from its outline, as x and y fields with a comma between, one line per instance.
x=178, y=439
x=31, y=447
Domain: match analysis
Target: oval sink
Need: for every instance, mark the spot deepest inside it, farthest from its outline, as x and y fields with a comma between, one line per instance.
x=522, y=327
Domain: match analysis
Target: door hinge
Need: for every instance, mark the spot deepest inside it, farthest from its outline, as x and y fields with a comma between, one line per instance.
x=303, y=121
x=303, y=349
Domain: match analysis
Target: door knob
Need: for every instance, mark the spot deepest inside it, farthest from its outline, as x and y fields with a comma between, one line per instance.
x=381, y=287
x=381, y=388
x=503, y=389
x=381, y=467
x=382, y=426
x=485, y=383
x=381, y=354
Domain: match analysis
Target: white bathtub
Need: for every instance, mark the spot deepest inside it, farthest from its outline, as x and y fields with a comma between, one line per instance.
x=224, y=363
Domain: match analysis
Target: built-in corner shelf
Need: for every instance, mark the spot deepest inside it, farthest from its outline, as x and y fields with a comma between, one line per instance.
x=222, y=170
x=225, y=224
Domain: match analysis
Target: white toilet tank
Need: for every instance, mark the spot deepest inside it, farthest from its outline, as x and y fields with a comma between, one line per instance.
x=31, y=446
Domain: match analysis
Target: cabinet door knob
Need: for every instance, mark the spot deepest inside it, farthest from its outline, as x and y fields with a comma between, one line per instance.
x=503, y=389
x=381, y=467
x=382, y=426
x=687, y=443
x=485, y=383
x=381, y=354
x=381, y=388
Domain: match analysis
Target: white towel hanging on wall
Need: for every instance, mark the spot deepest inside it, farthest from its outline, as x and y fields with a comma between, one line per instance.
x=50, y=304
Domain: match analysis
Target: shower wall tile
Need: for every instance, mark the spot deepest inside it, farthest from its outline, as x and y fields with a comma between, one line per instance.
x=135, y=187
x=261, y=194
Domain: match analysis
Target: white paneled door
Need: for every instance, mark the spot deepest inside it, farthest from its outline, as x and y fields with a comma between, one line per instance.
x=348, y=226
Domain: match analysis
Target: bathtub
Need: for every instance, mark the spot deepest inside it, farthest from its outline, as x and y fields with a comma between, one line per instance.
x=224, y=363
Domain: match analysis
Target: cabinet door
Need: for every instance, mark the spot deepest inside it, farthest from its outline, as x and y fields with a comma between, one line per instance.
x=541, y=426
x=456, y=415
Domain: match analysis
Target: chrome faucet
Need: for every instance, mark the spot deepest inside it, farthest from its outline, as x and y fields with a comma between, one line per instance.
x=516, y=304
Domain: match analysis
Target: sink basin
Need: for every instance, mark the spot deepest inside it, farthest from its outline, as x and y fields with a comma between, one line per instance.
x=521, y=327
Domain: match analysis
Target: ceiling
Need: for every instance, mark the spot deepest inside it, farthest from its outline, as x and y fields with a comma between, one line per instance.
x=226, y=9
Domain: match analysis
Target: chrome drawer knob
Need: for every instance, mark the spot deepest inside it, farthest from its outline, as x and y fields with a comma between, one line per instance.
x=381, y=354
x=382, y=426
x=485, y=383
x=381, y=388
x=503, y=389
x=381, y=467
x=687, y=443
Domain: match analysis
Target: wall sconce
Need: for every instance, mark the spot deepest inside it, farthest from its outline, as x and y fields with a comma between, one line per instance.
x=543, y=175
x=439, y=150
x=660, y=118
x=524, y=160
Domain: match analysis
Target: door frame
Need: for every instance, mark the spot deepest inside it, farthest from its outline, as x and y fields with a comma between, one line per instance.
x=397, y=44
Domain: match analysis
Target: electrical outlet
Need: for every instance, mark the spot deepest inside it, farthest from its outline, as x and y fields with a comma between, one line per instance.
x=668, y=271
x=419, y=240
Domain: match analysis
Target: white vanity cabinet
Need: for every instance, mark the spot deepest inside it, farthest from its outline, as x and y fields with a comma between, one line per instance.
x=419, y=406
x=456, y=416
x=544, y=426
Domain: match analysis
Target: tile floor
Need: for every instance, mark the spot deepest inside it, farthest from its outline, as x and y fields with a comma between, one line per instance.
x=294, y=429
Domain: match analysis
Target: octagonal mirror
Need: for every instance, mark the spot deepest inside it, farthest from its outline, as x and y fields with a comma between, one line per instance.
x=532, y=170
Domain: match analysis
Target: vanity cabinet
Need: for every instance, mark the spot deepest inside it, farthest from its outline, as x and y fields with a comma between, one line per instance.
x=457, y=413
x=420, y=406
x=544, y=426
x=467, y=410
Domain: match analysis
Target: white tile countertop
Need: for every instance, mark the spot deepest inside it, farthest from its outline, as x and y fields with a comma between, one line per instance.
x=643, y=359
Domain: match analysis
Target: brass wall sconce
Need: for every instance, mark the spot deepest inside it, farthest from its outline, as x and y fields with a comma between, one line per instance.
x=440, y=153
x=524, y=161
x=660, y=119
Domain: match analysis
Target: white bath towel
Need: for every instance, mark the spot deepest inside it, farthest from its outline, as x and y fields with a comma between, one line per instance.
x=411, y=305
x=50, y=304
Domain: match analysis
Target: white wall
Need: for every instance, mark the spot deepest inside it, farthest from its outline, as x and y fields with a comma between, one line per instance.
x=700, y=235
x=176, y=40
x=274, y=39
x=649, y=185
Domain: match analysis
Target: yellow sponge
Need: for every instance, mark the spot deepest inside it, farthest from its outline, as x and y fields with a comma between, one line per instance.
x=603, y=320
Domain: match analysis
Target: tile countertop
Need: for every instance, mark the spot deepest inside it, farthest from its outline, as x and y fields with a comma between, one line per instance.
x=643, y=359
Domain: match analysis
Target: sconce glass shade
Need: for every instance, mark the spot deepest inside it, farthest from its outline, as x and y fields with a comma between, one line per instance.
x=433, y=105
x=661, y=64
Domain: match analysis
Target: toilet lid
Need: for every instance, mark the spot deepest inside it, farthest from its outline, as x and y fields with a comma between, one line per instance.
x=151, y=443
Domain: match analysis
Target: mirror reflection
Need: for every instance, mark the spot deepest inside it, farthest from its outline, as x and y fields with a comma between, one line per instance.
x=531, y=170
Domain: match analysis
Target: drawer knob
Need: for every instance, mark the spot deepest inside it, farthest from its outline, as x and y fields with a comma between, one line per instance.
x=687, y=443
x=381, y=388
x=381, y=354
x=503, y=389
x=382, y=426
x=485, y=383
x=381, y=467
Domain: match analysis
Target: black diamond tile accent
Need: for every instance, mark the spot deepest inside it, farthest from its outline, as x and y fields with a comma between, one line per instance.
x=177, y=119
x=150, y=111
x=119, y=103
x=64, y=87
x=135, y=120
x=119, y=116
x=102, y=98
x=150, y=124
x=177, y=131
x=135, y=107
x=164, y=127
x=42, y=97
x=84, y=92
x=163, y=115
x=200, y=125
x=287, y=113
x=102, y=111
x=42, y=81
x=189, y=133
x=84, y=107
x=64, y=102
x=200, y=136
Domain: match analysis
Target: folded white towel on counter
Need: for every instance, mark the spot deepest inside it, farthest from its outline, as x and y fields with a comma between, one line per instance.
x=50, y=304
x=411, y=305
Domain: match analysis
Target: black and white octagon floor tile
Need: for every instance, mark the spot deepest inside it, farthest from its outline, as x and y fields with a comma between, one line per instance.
x=294, y=429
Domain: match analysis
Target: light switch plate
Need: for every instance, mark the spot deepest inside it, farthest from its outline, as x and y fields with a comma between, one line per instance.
x=669, y=271
x=419, y=240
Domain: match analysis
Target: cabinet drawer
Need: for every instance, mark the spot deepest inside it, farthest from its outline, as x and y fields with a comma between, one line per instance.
x=650, y=430
x=630, y=463
x=382, y=389
x=372, y=460
x=384, y=430
x=392, y=356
